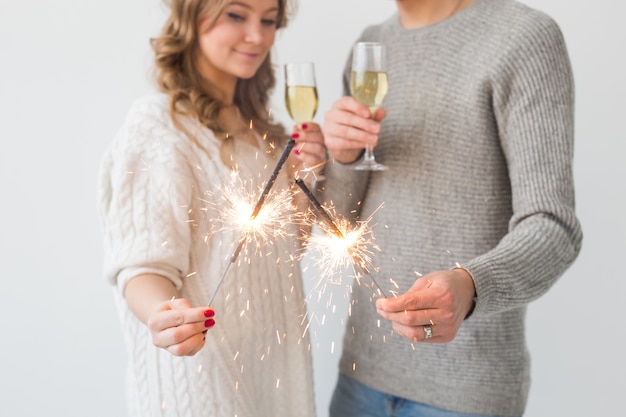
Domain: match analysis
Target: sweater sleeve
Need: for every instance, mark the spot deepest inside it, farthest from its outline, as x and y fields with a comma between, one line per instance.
x=145, y=190
x=534, y=109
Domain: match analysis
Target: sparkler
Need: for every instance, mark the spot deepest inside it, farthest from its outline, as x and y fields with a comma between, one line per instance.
x=254, y=215
x=346, y=241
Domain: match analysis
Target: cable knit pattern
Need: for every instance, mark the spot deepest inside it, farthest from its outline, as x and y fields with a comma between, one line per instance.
x=479, y=139
x=159, y=195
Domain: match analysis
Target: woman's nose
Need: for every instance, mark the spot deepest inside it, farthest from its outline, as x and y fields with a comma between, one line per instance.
x=254, y=33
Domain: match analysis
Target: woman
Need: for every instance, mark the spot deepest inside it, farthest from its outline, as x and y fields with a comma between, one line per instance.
x=479, y=219
x=166, y=181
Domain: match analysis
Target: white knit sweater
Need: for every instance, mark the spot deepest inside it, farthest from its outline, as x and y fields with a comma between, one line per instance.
x=160, y=196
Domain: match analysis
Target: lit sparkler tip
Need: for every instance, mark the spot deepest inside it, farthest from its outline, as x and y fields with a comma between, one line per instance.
x=260, y=224
x=342, y=245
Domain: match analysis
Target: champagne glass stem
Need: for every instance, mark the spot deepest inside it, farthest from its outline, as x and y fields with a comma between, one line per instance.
x=368, y=157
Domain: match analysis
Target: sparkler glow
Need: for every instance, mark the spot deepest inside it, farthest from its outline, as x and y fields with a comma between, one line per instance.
x=342, y=244
x=256, y=224
x=272, y=219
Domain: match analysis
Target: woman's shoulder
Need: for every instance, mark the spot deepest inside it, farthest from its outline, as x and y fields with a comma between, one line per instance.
x=148, y=127
x=153, y=106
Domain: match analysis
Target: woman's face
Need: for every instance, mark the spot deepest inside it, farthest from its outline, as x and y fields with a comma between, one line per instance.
x=238, y=43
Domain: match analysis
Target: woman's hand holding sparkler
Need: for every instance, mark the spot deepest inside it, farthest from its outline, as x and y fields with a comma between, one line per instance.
x=179, y=328
x=433, y=309
x=175, y=324
x=309, y=154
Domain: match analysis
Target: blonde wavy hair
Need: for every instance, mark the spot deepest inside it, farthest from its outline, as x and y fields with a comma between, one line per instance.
x=177, y=75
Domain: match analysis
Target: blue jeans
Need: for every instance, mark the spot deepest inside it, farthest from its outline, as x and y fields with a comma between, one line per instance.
x=353, y=399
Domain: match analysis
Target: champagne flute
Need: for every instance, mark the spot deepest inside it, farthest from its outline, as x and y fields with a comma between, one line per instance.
x=368, y=85
x=301, y=97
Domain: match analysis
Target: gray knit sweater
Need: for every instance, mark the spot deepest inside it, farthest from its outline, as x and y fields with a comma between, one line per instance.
x=479, y=139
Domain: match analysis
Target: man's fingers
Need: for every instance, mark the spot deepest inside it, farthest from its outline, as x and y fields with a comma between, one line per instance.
x=411, y=317
x=413, y=300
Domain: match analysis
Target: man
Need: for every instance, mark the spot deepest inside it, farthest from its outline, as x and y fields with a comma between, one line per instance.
x=478, y=217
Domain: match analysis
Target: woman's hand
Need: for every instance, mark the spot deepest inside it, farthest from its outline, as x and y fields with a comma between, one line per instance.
x=309, y=152
x=175, y=325
x=179, y=328
x=433, y=309
x=348, y=127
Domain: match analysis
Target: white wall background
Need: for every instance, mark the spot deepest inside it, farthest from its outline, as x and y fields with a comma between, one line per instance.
x=69, y=69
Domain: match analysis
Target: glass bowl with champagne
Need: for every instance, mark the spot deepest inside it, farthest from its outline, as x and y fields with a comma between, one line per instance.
x=301, y=98
x=369, y=85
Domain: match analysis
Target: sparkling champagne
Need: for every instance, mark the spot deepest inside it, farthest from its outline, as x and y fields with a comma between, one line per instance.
x=301, y=102
x=369, y=87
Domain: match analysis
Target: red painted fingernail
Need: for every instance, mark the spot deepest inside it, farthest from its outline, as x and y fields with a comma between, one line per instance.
x=295, y=135
x=304, y=126
x=297, y=152
x=209, y=313
x=209, y=323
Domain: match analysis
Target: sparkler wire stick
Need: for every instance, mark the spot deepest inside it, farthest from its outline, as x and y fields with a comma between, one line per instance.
x=331, y=226
x=255, y=213
x=272, y=179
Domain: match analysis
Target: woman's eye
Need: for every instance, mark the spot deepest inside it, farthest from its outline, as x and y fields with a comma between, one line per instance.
x=268, y=22
x=236, y=17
